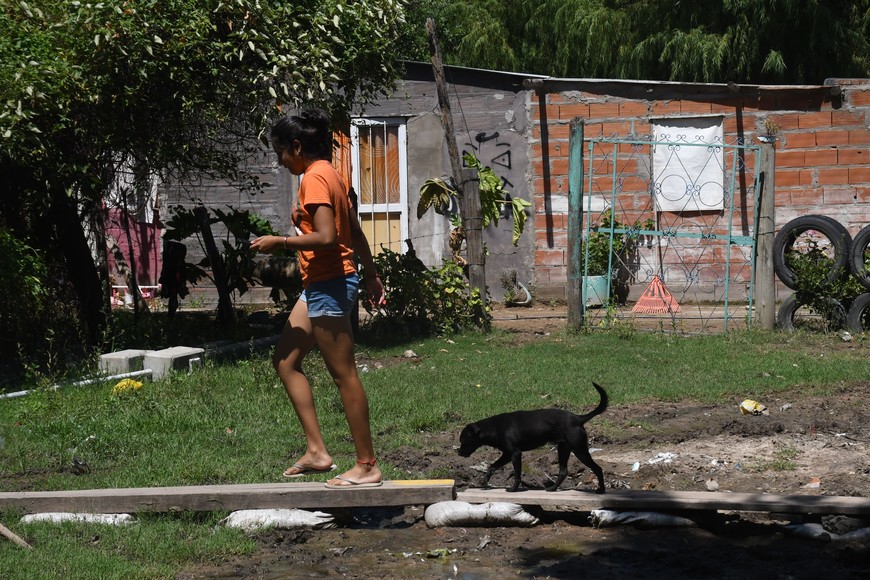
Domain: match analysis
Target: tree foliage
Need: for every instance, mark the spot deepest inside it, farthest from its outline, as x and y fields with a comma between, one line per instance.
x=745, y=41
x=102, y=96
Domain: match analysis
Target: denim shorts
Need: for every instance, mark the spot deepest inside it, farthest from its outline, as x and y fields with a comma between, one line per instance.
x=333, y=297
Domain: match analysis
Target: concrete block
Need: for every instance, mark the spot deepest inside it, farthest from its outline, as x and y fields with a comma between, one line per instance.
x=176, y=358
x=122, y=361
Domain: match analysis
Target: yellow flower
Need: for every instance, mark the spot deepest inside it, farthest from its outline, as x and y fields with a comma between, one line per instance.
x=126, y=385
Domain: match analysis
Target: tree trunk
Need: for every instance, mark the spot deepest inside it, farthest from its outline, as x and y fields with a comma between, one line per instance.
x=226, y=313
x=72, y=244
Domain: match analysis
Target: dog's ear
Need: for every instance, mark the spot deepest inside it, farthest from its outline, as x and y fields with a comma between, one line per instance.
x=470, y=430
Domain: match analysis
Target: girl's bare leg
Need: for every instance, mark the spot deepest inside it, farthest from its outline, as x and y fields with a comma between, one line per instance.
x=297, y=340
x=334, y=337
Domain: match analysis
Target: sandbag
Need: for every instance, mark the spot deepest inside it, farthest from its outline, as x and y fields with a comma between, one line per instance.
x=461, y=513
x=607, y=518
x=282, y=519
x=59, y=517
x=816, y=531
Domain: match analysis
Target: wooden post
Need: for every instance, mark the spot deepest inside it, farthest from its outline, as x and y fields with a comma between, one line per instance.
x=574, y=293
x=473, y=223
x=466, y=181
x=444, y=102
x=13, y=537
x=765, y=282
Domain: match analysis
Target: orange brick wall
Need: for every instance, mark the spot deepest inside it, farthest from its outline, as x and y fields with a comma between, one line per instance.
x=822, y=151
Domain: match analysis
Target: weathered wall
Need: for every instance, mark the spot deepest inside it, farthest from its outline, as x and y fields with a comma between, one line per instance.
x=271, y=203
x=490, y=120
x=522, y=132
x=822, y=164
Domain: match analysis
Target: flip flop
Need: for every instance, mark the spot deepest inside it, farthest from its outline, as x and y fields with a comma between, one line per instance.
x=303, y=471
x=351, y=484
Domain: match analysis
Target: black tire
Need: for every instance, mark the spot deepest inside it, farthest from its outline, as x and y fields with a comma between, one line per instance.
x=858, y=319
x=858, y=256
x=828, y=227
x=834, y=319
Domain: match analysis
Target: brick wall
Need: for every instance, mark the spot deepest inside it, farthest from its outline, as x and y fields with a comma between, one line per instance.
x=822, y=146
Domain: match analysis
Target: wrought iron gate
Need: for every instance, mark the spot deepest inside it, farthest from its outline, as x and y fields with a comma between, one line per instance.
x=674, y=219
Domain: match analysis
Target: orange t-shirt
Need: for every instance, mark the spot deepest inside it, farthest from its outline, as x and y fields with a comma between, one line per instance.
x=322, y=185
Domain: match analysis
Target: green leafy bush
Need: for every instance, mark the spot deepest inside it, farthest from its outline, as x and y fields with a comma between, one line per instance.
x=421, y=301
x=812, y=268
x=601, y=255
x=239, y=265
x=40, y=330
x=438, y=193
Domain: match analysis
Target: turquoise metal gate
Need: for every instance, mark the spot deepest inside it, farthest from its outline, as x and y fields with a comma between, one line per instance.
x=669, y=225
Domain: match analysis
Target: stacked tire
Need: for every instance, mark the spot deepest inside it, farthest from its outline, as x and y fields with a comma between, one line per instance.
x=849, y=255
x=858, y=319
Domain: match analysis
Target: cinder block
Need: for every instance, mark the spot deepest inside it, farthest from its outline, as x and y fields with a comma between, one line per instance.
x=123, y=361
x=176, y=358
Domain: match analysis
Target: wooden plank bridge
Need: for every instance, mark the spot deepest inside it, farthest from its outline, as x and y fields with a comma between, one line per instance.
x=312, y=495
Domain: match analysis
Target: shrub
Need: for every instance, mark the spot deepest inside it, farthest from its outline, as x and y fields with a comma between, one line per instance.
x=814, y=289
x=40, y=329
x=420, y=301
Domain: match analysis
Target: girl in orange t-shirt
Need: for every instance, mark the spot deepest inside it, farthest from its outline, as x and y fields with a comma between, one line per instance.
x=328, y=235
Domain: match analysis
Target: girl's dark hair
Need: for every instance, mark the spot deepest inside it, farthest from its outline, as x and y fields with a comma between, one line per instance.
x=312, y=128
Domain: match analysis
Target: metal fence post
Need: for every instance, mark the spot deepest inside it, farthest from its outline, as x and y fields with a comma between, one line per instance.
x=574, y=293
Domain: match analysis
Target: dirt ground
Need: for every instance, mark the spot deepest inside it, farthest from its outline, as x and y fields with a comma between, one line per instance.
x=806, y=445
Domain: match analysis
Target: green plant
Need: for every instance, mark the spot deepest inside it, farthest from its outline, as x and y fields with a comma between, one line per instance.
x=436, y=192
x=508, y=280
x=421, y=301
x=610, y=245
x=41, y=335
x=22, y=292
x=783, y=460
x=458, y=307
x=771, y=128
x=94, y=93
x=812, y=265
x=236, y=257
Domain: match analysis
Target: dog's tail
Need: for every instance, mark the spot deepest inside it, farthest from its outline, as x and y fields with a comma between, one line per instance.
x=602, y=405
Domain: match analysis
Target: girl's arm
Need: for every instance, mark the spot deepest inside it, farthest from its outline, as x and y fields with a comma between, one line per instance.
x=373, y=283
x=323, y=236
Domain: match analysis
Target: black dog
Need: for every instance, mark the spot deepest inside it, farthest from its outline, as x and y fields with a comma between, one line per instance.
x=513, y=433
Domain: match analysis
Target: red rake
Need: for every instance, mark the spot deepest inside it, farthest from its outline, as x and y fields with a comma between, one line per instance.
x=656, y=299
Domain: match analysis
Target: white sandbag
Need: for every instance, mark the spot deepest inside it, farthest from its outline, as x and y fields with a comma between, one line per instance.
x=59, y=517
x=282, y=519
x=461, y=513
x=818, y=532
x=607, y=518
x=861, y=534
x=812, y=530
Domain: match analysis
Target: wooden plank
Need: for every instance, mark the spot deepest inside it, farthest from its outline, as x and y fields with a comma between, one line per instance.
x=765, y=277
x=675, y=500
x=228, y=497
x=13, y=537
x=418, y=482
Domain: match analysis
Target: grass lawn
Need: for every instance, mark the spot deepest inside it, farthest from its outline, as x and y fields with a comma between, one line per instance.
x=233, y=423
